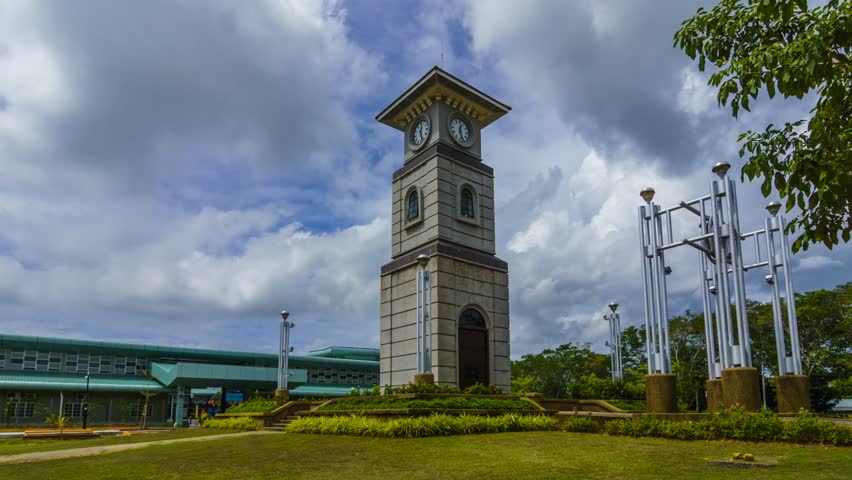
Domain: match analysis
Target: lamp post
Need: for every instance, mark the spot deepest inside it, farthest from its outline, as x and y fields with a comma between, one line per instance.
x=86, y=403
x=615, y=341
x=284, y=355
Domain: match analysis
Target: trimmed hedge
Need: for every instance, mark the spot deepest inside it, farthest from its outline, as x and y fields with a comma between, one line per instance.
x=736, y=424
x=235, y=423
x=475, y=389
x=254, y=406
x=435, y=425
x=436, y=403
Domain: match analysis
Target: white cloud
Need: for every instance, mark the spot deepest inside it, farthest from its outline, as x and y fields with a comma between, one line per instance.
x=695, y=96
x=816, y=262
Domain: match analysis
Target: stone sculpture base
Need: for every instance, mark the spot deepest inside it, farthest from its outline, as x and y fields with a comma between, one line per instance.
x=793, y=393
x=741, y=386
x=715, y=395
x=282, y=395
x=661, y=393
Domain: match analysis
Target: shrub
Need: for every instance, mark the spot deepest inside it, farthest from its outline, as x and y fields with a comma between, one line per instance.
x=411, y=427
x=628, y=404
x=737, y=424
x=577, y=423
x=434, y=403
x=482, y=389
x=235, y=423
x=422, y=388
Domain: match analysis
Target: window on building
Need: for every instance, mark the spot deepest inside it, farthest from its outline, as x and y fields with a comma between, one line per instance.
x=139, y=408
x=16, y=360
x=467, y=199
x=30, y=360
x=42, y=361
x=54, y=362
x=471, y=317
x=21, y=405
x=106, y=365
x=73, y=408
x=2, y=359
x=71, y=362
x=413, y=206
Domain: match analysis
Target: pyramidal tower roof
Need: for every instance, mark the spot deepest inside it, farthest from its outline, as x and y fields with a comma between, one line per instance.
x=440, y=85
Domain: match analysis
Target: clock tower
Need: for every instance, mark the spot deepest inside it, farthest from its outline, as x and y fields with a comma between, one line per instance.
x=443, y=207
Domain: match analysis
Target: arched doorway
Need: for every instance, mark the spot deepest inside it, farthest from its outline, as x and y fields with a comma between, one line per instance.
x=473, y=348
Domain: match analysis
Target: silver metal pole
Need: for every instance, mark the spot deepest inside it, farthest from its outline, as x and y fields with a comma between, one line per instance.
x=618, y=346
x=792, y=321
x=723, y=299
x=712, y=272
x=665, y=343
x=738, y=277
x=645, y=288
x=777, y=320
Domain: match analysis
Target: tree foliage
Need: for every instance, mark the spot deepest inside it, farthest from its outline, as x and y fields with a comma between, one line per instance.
x=784, y=47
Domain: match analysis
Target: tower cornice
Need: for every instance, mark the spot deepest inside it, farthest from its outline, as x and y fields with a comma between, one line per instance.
x=438, y=85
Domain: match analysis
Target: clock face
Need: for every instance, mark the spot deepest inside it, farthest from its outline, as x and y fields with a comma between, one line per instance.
x=460, y=130
x=420, y=132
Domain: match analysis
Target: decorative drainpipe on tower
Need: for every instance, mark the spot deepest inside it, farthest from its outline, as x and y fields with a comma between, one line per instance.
x=424, y=323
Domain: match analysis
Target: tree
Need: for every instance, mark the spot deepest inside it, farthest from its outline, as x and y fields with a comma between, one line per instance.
x=825, y=334
x=143, y=422
x=689, y=357
x=785, y=47
x=556, y=369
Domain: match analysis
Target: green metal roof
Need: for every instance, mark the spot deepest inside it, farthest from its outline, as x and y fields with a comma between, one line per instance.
x=176, y=354
x=199, y=375
x=53, y=381
x=350, y=353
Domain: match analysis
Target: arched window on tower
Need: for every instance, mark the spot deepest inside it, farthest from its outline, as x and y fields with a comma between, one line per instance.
x=413, y=206
x=467, y=209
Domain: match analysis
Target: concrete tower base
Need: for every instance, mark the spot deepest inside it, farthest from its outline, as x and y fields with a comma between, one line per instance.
x=793, y=393
x=424, y=378
x=715, y=395
x=741, y=385
x=661, y=393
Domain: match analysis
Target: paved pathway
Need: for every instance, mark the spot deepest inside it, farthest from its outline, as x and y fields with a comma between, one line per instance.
x=90, y=451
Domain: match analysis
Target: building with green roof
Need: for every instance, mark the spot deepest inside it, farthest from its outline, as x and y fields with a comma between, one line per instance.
x=40, y=375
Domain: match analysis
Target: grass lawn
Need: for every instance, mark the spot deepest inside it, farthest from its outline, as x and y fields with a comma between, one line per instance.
x=538, y=455
x=14, y=446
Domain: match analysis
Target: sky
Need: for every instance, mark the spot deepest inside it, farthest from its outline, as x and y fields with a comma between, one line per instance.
x=177, y=172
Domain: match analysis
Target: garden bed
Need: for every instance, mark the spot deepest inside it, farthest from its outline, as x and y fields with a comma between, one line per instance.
x=430, y=402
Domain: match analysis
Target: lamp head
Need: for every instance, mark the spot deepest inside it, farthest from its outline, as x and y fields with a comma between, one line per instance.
x=285, y=314
x=721, y=169
x=613, y=306
x=423, y=260
x=773, y=208
x=647, y=194
x=712, y=289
